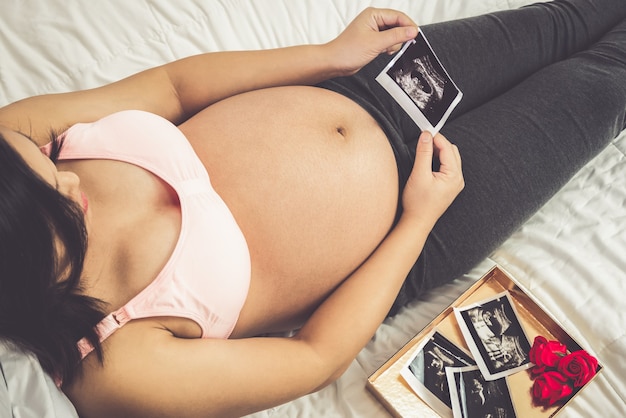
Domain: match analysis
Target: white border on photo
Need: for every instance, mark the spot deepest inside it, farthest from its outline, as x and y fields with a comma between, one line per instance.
x=451, y=92
x=461, y=358
x=494, y=368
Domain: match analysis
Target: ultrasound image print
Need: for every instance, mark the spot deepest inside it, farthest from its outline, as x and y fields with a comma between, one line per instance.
x=474, y=397
x=430, y=362
x=419, y=79
x=423, y=79
x=418, y=82
x=495, y=336
x=425, y=372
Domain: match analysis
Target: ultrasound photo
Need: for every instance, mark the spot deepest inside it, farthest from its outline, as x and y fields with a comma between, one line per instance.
x=474, y=397
x=426, y=372
x=495, y=336
x=420, y=84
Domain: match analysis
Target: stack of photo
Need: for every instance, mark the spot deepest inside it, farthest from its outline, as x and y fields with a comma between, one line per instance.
x=474, y=359
x=459, y=384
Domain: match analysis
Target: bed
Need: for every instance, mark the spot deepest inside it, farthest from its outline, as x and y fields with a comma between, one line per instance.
x=570, y=255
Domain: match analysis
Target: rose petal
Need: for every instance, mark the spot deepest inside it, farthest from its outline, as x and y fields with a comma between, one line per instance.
x=551, y=387
x=579, y=366
x=546, y=353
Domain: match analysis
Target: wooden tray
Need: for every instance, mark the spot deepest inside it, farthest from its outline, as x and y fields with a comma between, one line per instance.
x=389, y=387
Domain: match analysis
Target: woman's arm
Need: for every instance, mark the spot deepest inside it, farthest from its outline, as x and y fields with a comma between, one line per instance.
x=181, y=88
x=345, y=322
x=371, y=33
x=167, y=376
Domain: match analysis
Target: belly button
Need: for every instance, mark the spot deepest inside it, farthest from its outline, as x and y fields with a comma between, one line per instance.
x=341, y=131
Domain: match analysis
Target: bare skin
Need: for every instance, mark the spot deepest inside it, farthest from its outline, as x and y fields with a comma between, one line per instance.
x=310, y=179
x=304, y=171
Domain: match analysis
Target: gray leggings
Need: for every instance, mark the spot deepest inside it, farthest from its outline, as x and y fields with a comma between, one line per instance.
x=544, y=91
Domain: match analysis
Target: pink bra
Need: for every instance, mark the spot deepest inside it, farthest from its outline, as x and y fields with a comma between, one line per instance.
x=207, y=276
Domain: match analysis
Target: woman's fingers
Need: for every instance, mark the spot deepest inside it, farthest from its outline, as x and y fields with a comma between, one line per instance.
x=395, y=28
x=371, y=33
x=428, y=193
x=389, y=18
x=424, y=153
x=448, y=154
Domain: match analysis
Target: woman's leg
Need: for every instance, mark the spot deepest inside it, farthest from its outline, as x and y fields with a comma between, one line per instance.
x=521, y=136
x=485, y=55
x=518, y=149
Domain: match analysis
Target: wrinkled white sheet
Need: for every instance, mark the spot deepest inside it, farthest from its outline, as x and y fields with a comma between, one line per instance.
x=570, y=255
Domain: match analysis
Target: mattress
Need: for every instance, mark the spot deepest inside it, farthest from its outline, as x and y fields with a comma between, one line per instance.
x=570, y=255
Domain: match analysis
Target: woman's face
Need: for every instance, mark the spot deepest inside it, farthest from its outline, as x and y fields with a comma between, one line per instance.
x=65, y=182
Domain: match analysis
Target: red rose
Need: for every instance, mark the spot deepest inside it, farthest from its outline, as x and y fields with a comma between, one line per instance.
x=545, y=354
x=578, y=366
x=550, y=387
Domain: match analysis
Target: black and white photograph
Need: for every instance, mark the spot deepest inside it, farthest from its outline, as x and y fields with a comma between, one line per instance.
x=426, y=375
x=473, y=396
x=495, y=336
x=419, y=83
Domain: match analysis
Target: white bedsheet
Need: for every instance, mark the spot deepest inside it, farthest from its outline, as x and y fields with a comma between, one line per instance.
x=570, y=254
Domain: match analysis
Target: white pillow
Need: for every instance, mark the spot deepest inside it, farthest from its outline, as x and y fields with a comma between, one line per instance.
x=26, y=391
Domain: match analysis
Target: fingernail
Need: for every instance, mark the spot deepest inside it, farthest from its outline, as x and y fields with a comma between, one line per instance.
x=411, y=31
x=426, y=137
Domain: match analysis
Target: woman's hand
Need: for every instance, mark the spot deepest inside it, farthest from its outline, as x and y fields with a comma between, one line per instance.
x=371, y=33
x=428, y=193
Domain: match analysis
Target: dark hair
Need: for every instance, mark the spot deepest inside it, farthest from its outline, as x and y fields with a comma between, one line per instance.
x=41, y=308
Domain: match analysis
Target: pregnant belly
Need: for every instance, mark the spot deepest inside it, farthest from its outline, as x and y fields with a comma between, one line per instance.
x=311, y=180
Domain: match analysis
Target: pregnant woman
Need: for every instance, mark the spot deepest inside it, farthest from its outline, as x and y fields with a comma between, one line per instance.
x=175, y=217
